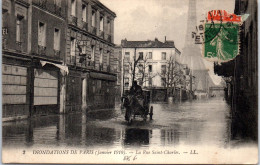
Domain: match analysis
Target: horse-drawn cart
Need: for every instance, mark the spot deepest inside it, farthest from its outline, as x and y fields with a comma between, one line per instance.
x=137, y=106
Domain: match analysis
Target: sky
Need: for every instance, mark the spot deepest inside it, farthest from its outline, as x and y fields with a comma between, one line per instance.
x=147, y=19
x=139, y=20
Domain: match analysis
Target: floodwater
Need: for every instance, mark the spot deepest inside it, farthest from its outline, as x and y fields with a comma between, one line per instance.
x=199, y=122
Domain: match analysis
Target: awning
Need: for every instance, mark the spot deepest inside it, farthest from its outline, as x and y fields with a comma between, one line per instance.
x=103, y=76
x=64, y=69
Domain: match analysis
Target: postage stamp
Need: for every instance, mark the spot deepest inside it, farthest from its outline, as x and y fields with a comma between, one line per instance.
x=221, y=41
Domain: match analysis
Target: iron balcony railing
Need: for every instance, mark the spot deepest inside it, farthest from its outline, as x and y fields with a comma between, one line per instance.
x=56, y=54
x=108, y=68
x=74, y=20
x=85, y=25
x=109, y=39
x=101, y=34
x=41, y=50
x=94, y=30
x=101, y=67
x=18, y=46
x=73, y=60
x=57, y=10
x=42, y=3
x=4, y=43
x=91, y=64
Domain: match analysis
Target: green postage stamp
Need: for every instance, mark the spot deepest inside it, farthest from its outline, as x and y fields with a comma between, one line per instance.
x=221, y=41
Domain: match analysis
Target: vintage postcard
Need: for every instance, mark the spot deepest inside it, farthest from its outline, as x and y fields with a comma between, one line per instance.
x=130, y=81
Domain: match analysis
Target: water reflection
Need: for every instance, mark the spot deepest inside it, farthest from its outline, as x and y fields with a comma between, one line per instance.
x=136, y=137
x=189, y=123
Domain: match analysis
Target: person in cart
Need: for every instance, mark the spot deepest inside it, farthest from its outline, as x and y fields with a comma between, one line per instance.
x=137, y=92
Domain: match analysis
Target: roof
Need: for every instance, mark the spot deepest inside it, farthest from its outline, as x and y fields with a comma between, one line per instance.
x=147, y=44
x=102, y=6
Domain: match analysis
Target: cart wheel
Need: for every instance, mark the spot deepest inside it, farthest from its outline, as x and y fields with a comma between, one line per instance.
x=151, y=113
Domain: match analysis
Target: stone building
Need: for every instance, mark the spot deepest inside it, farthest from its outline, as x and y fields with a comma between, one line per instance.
x=16, y=59
x=241, y=73
x=58, y=56
x=47, y=52
x=157, y=67
x=89, y=56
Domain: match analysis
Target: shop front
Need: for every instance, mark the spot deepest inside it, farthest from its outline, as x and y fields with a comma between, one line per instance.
x=101, y=91
x=46, y=90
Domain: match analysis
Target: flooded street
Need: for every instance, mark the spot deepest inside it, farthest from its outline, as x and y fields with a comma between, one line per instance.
x=195, y=123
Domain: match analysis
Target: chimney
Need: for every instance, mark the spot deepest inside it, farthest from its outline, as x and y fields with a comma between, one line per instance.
x=156, y=39
x=164, y=39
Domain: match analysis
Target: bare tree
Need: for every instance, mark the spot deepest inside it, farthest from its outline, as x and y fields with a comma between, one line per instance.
x=143, y=67
x=173, y=74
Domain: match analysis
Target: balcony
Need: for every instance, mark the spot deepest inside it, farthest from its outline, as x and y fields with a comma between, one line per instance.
x=101, y=34
x=41, y=50
x=109, y=38
x=56, y=54
x=74, y=20
x=72, y=60
x=18, y=46
x=85, y=25
x=100, y=67
x=57, y=10
x=108, y=68
x=91, y=64
x=4, y=43
x=94, y=30
x=41, y=3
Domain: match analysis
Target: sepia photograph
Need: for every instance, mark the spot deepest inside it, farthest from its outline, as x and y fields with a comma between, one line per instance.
x=130, y=81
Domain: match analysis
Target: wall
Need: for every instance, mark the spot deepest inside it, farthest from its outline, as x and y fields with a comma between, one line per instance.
x=156, y=61
x=9, y=22
x=51, y=22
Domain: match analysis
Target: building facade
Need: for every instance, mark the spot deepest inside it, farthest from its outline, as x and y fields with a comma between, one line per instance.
x=58, y=57
x=155, y=65
x=48, y=27
x=16, y=60
x=241, y=73
x=89, y=56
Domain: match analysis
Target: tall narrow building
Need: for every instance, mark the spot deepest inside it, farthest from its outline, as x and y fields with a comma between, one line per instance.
x=192, y=54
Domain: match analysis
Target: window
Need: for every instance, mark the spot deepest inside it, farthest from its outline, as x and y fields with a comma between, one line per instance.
x=163, y=67
x=92, y=52
x=18, y=29
x=73, y=7
x=84, y=49
x=141, y=67
x=163, y=55
x=84, y=13
x=41, y=34
x=140, y=81
x=56, y=39
x=163, y=82
x=150, y=55
x=141, y=55
x=126, y=68
x=150, y=68
x=101, y=24
x=101, y=56
x=108, y=57
x=93, y=18
x=57, y=3
x=127, y=56
x=72, y=46
x=108, y=27
x=150, y=81
x=126, y=82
